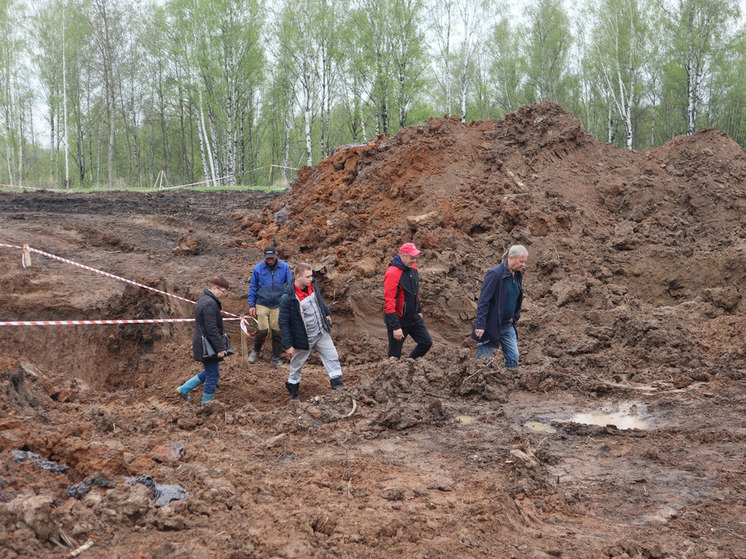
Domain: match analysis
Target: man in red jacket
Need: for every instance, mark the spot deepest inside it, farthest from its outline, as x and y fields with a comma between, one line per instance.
x=402, y=305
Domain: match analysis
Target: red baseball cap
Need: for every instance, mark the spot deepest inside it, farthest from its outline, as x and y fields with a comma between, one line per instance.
x=409, y=248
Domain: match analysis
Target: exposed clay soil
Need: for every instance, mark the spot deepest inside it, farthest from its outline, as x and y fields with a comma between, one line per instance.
x=620, y=435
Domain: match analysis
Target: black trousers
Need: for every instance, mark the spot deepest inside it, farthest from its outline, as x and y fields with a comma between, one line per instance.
x=420, y=335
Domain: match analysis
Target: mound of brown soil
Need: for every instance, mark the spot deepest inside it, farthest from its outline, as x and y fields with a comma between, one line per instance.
x=636, y=259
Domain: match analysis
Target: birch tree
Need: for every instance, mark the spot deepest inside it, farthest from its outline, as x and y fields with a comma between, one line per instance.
x=185, y=37
x=158, y=56
x=296, y=49
x=230, y=61
x=471, y=18
x=620, y=49
x=13, y=95
x=370, y=19
x=458, y=30
x=506, y=64
x=279, y=110
x=408, y=52
x=698, y=30
x=546, y=49
x=109, y=36
x=444, y=31
x=82, y=87
x=49, y=28
x=728, y=91
x=356, y=77
x=327, y=40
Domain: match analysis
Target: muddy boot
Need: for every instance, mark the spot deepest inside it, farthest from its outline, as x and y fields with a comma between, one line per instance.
x=259, y=338
x=276, y=348
x=207, y=398
x=336, y=383
x=188, y=386
x=293, y=390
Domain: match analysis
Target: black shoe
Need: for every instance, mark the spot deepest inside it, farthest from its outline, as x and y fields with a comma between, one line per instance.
x=336, y=382
x=293, y=390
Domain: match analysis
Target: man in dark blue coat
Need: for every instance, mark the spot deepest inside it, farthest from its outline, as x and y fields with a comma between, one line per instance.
x=499, y=308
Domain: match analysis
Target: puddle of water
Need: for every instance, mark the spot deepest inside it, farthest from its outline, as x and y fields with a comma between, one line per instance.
x=466, y=419
x=626, y=417
x=618, y=420
x=539, y=427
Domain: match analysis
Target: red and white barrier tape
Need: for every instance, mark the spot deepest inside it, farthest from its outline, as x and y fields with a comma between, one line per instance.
x=26, y=261
x=85, y=322
x=243, y=324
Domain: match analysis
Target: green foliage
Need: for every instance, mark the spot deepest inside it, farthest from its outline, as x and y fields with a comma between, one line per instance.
x=546, y=51
x=506, y=62
x=246, y=91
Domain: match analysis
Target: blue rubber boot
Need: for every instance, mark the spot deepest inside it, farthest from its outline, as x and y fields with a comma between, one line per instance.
x=188, y=386
x=207, y=398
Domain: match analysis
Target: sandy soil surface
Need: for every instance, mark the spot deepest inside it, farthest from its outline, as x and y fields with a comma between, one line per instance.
x=620, y=435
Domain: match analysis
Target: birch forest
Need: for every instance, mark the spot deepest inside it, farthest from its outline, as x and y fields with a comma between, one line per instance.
x=134, y=93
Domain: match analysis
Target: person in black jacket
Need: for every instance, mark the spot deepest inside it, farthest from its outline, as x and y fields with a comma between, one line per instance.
x=305, y=322
x=208, y=322
x=499, y=308
x=402, y=305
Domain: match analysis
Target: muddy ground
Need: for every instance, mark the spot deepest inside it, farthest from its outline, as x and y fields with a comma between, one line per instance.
x=620, y=435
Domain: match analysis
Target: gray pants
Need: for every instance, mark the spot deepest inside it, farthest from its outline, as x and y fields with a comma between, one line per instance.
x=328, y=353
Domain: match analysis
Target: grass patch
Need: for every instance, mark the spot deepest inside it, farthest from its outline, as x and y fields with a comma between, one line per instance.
x=93, y=190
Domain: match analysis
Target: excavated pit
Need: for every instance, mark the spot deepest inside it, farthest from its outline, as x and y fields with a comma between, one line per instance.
x=634, y=306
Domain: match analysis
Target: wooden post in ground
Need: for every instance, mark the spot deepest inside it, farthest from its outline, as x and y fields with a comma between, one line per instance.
x=244, y=348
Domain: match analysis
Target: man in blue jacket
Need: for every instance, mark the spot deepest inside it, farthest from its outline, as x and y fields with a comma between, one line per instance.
x=499, y=307
x=265, y=289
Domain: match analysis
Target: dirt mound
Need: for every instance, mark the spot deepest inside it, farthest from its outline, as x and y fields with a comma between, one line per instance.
x=619, y=241
x=620, y=435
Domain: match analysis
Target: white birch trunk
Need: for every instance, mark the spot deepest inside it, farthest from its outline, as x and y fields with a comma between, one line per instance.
x=307, y=115
x=610, y=124
x=205, y=144
x=325, y=87
x=445, y=52
x=8, y=150
x=110, y=154
x=19, y=131
x=286, y=152
x=99, y=145
x=202, y=154
x=230, y=171
x=691, y=98
x=464, y=83
x=216, y=161
x=64, y=102
x=363, y=128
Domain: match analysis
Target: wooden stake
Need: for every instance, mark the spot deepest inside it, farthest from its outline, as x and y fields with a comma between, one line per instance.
x=244, y=348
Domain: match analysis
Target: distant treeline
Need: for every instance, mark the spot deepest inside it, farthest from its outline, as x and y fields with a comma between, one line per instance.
x=137, y=93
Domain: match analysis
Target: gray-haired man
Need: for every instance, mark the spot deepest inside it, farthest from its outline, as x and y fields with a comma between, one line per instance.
x=499, y=307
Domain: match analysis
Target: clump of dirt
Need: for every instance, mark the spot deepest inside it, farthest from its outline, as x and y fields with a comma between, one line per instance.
x=633, y=314
x=188, y=245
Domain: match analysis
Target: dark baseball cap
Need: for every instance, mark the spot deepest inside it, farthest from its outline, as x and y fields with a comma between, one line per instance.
x=270, y=252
